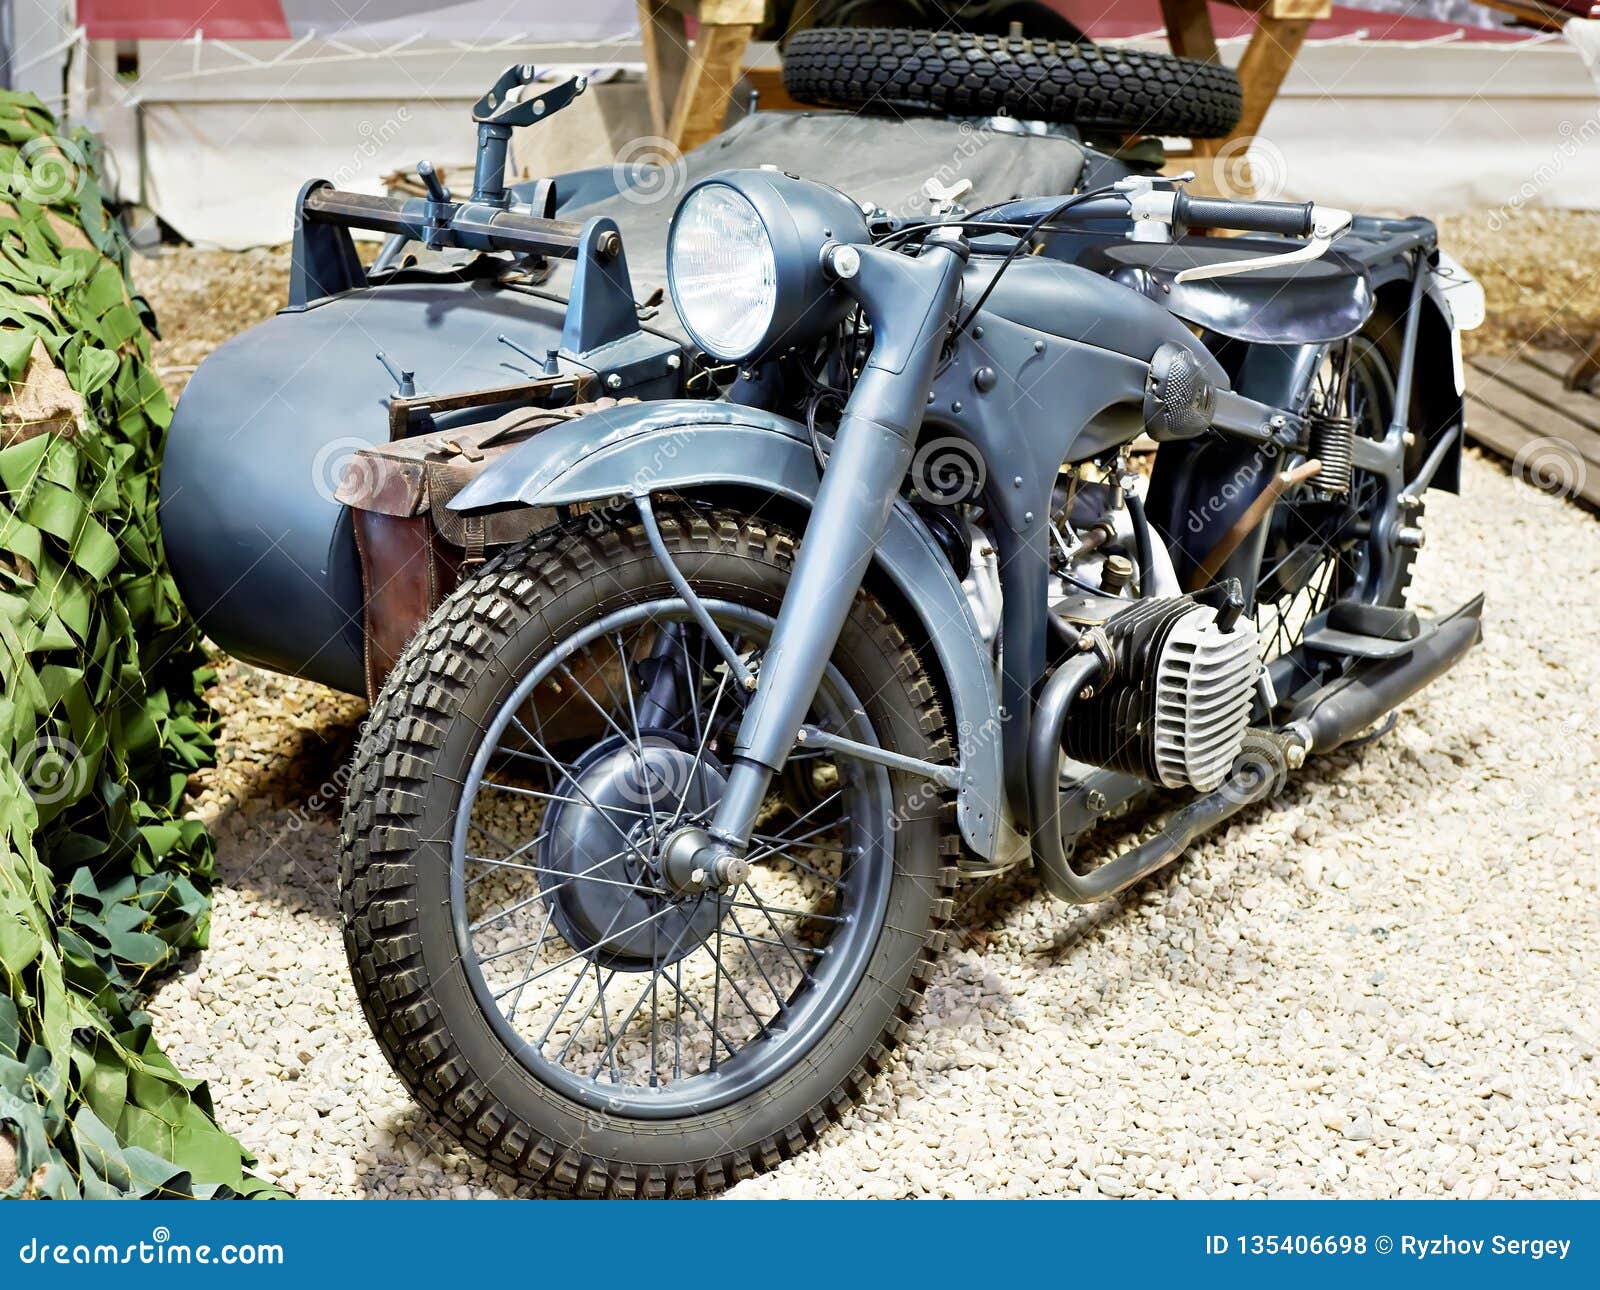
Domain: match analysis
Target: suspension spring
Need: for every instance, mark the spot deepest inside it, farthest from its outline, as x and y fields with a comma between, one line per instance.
x=1332, y=442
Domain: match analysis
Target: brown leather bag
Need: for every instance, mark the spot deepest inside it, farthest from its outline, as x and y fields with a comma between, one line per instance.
x=413, y=548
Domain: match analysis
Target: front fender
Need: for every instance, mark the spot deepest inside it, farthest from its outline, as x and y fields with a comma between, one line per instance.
x=684, y=445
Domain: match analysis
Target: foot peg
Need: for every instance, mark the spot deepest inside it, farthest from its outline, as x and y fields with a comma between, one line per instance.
x=1342, y=709
x=1384, y=621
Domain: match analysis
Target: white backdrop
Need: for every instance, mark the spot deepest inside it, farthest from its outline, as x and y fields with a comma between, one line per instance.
x=218, y=139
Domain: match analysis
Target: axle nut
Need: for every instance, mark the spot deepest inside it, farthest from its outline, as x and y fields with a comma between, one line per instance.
x=731, y=870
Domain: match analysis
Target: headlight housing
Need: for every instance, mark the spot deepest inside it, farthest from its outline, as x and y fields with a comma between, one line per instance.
x=744, y=261
x=723, y=274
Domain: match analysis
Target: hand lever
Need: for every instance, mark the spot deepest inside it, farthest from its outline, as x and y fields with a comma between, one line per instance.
x=1328, y=223
x=1312, y=250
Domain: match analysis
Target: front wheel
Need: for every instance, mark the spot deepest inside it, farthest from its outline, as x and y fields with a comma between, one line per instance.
x=529, y=969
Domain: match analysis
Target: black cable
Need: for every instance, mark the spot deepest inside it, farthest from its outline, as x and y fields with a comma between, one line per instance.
x=1026, y=239
x=1141, y=543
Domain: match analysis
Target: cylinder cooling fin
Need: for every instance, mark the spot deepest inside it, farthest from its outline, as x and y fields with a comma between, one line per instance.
x=1176, y=706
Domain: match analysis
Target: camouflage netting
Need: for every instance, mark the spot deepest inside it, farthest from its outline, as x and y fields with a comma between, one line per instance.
x=102, y=884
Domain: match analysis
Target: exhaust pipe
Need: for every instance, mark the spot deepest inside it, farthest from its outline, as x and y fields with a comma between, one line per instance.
x=1342, y=709
x=1332, y=716
x=1257, y=774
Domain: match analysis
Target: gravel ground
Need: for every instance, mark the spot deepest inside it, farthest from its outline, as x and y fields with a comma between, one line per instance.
x=1384, y=987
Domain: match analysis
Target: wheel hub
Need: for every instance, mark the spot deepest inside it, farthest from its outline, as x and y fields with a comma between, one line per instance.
x=602, y=854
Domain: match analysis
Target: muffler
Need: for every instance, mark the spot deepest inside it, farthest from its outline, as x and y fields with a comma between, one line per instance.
x=1342, y=709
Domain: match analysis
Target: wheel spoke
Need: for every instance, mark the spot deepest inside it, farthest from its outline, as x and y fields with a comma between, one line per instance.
x=556, y=797
x=772, y=947
x=611, y=1048
x=755, y=958
x=777, y=931
x=587, y=800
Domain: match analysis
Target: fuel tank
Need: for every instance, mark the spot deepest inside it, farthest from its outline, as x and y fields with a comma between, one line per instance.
x=263, y=555
x=1061, y=299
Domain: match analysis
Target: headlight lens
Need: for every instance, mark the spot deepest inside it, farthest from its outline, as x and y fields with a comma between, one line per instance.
x=722, y=272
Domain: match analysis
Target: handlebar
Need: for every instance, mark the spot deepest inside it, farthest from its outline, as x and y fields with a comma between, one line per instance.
x=1291, y=219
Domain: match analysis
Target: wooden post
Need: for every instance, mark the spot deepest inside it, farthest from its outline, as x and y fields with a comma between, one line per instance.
x=666, y=56
x=1189, y=32
x=1281, y=27
x=708, y=85
x=690, y=87
x=1267, y=59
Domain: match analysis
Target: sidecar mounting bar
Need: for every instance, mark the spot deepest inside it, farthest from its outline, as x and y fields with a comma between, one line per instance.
x=476, y=226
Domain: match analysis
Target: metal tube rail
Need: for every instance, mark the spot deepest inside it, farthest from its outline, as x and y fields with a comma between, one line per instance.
x=471, y=225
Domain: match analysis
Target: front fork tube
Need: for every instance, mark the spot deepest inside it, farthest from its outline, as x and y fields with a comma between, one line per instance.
x=851, y=513
x=910, y=304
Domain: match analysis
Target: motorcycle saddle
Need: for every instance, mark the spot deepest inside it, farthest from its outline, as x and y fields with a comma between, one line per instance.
x=1299, y=304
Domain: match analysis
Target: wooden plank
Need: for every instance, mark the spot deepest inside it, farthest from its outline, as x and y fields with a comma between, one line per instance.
x=1543, y=387
x=716, y=13
x=714, y=70
x=768, y=82
x=1491, y=402
x=1535, y=417
x=1545, y=360
x=1189, y=30
x=1267, y=59
x=1308, y=9
x=1207, y=182
x=1532, y=14
x=1575, y=374
x=1502, y=435
x=666, y=59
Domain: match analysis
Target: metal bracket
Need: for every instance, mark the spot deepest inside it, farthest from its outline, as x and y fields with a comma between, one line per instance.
x=495, y=109
x=600, y=306
x=816, y=737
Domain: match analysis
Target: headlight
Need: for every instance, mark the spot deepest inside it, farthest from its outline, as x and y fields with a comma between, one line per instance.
x=744, y=261
x=724, y=278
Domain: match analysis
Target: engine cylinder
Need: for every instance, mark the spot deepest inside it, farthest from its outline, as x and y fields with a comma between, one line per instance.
x=1176, y=706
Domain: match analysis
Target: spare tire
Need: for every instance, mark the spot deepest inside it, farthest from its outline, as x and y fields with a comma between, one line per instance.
x=963, y=74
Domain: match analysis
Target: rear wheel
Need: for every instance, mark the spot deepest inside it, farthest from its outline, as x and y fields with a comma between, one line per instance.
x=1321, y=550
x=527, y=964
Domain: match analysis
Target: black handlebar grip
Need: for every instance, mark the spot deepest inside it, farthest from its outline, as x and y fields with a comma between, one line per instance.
x=1289, y=218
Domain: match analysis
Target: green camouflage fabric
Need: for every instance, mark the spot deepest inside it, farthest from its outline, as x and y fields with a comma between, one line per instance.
x=103, y=884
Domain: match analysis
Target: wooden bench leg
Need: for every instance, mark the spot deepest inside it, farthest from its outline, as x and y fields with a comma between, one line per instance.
x=1267, y=59
x=708, y=83
x=688, y=88
x=1580, y=376
x=666, y=58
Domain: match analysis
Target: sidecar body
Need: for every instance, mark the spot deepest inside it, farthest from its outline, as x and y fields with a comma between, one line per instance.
x=264, y=550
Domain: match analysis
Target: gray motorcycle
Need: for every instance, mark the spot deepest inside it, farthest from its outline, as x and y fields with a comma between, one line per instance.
x=660, y=814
